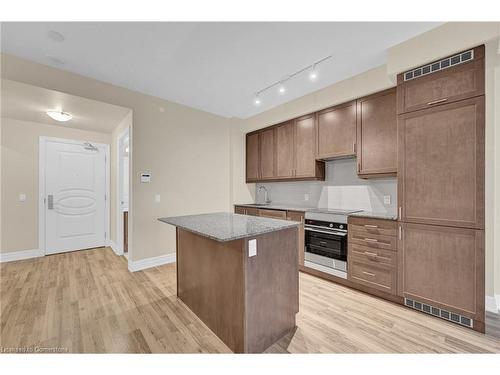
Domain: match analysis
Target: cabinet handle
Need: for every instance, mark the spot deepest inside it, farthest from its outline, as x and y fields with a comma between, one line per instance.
x=371, y=254
x=354, y=147
x=371, y=226
x=400, y=232
x=359, y=167
x=437, y=101
x=370, y=240
x=400, y=213
x=368, y=273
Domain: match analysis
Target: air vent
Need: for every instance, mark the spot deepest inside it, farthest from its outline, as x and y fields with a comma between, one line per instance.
x=431, y=310
x=439, y=65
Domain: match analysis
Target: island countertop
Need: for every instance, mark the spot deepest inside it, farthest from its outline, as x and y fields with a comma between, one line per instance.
x=223, y=226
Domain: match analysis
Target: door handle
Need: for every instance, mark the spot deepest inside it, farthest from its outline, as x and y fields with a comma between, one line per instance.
x=437, y=101
x=50, y=202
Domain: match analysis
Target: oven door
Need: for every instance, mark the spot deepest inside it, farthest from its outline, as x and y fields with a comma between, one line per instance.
x=327, y=243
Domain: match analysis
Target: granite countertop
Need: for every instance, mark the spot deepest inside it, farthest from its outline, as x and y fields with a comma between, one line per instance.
x=368, y=214
x=223, y=226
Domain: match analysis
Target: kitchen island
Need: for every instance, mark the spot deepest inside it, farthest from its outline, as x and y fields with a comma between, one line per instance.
x=239, y=275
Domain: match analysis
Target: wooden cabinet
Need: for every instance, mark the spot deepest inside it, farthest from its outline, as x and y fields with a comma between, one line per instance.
x=306, y=165
x=240, y=210
x=442, y=87
x=444, y=267
x=267, y=154
x=284, y=150
x=273, y=214
x=252, y=157
x=299, y=217
x=441, y=164
x=372, y=253
x=377, y=135
x=337, y=131
x=252, y=211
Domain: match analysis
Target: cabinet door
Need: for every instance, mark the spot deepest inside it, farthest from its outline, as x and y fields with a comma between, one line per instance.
x=305, y=147
x=441, y=165
x=267, y=154
x=377, y=134
x=445, y=86
x=337, y=131
x=272, y=214
x=444, y=267
x=299, y=217
x=284, y=150
x=252, y=157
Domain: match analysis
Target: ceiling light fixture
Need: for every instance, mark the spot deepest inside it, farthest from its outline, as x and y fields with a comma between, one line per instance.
x=59, y=115
x=313, y=75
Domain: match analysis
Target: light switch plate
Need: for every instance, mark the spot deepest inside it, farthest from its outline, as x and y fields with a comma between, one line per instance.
x=252, y=248
x=22, y=197
x=387, y=199
x=157, y=198
x=145, y=178
x=306, y=197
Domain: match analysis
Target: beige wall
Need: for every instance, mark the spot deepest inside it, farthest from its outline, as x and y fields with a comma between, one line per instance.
x=437, y=43
x=19, y=174
x=187, y=151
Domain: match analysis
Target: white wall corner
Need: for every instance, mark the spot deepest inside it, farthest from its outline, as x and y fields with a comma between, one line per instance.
x=143, y=264
x=114, y=247
x=20, y=255
x=492, y=303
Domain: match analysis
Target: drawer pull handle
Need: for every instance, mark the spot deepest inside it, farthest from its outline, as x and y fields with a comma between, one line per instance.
x=437, y=101
x=368, y=273
x=371, y=254
x=371, y=240
x=371, y=226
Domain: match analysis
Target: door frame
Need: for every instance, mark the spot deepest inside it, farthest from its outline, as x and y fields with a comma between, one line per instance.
x=119, y=190
x=42, y=146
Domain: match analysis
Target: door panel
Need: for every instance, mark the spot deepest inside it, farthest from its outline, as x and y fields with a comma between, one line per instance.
x=446, y=86
x=337, y=131
x=267, y=155
x=284, y=150
x=76, y=179
x=444, y=267
x=252, y=157
x=441, y=171
x=377, y=134
x=299, y=217
x=305, y=147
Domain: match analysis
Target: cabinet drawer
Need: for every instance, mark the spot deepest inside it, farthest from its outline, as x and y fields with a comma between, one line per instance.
x=252, y=211
x=372, y=256
x=273, y=214
x=372, y=240
x=445, y=86
x=379, y=276
x=240, y=210
x=373, y=226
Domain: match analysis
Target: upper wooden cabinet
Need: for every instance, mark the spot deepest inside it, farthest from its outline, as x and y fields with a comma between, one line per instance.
x=306, y=165
x=337, y=131
x=252, y=157
x=444, y=86
x=267, y=154
x=377, y=134
x=441, y=165
x=284, y=150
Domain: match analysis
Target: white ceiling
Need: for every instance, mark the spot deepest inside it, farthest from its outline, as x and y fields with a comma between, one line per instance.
x=30, y=103
x=216, y=67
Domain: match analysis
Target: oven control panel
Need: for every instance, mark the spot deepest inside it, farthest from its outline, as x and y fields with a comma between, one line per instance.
x=326, y=224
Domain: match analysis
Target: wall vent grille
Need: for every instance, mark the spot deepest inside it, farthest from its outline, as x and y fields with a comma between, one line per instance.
x=439, y=65
x=440, y=313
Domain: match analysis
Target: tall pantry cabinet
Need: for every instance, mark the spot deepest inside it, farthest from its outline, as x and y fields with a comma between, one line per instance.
x=441, y=187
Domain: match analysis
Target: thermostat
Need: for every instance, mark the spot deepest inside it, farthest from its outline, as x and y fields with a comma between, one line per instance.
x=146, y=178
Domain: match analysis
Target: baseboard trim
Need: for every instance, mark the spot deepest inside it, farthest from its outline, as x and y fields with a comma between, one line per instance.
x=492, y=303
x=143, y=264
x=21, y=255
x=114, y=247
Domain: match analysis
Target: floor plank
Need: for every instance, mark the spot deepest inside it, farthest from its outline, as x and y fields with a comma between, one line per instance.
x=88, y=302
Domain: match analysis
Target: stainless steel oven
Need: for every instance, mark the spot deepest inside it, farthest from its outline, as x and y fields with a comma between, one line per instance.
x=326, y=246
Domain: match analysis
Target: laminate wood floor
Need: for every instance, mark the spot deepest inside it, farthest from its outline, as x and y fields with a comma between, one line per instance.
x=88, y=301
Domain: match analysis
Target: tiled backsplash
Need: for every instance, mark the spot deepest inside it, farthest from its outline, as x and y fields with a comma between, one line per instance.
x=342, y=188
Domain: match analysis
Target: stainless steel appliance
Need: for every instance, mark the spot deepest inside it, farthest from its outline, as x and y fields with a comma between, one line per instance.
x=326, y=241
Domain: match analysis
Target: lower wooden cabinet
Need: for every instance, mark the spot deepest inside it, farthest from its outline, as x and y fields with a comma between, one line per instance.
x=273, y=214
x=240, y=210
x=300, y=217
x=443, y=267
x=372, y=257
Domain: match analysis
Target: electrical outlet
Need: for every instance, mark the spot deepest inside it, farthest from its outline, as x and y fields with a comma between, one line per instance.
x=387, y=199
x=22, y=197
x=306, y=197
x=252, y=248
x=157, y=198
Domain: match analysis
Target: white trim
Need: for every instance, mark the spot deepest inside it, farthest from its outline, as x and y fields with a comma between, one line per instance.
x=114, y=247
x=20, y=255
x=42, y=142
x=119, y=189
x=142, y=264
x=491, y=304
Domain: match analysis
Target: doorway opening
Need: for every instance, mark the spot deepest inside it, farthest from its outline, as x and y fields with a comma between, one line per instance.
x=123, y=192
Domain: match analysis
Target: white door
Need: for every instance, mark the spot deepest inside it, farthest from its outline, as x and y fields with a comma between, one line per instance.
x=75, y=187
